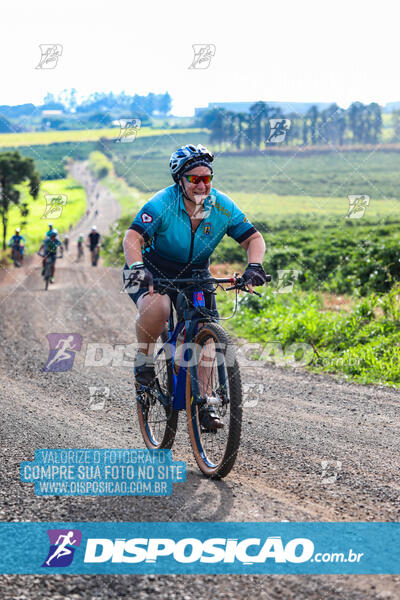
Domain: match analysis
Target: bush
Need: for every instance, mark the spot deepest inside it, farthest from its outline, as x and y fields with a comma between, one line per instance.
x=363, y=343
x=99, y=165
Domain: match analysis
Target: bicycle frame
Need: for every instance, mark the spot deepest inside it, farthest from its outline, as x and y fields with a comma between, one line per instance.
x=190, y=321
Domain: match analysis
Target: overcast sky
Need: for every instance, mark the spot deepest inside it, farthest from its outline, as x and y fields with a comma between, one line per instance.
x=309, y=51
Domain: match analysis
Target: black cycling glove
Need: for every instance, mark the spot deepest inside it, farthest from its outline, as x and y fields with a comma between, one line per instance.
x=255, y=274
x=138, y=277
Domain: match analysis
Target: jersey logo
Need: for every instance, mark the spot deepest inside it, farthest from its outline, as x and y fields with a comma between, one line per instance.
x=147, y=218
x=222, y=209
x=207, y=228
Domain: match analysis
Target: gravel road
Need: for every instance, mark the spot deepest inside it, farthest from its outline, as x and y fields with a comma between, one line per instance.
x=300, y=420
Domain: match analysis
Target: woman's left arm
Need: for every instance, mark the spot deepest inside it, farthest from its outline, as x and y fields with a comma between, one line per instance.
x=255, y=248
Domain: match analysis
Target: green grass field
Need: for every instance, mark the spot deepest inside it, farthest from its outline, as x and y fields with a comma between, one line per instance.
x=36, y=226
x=35, y=138
x=272, y=208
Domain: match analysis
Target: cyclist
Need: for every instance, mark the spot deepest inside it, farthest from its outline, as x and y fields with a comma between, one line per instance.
x=94, y=240
x=80, y=246
x=175, y=233
x=50, y=229
x=66, y=241
x=50, y=246
x=17, y=242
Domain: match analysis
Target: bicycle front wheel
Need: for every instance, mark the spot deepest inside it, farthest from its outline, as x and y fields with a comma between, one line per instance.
x=47, y=274
x=219, y=382
x=157, y=419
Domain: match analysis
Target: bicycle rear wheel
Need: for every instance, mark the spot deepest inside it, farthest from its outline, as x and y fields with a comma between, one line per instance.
x=219, y=378
x=158, y=422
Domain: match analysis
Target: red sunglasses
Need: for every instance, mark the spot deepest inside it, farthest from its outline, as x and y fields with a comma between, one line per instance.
x=197, y=178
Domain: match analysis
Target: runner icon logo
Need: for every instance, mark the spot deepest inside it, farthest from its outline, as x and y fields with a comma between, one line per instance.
x=63, y=543
x=278, y=130
x=54, y=206
x=203, y=54
x=98, y=397
x=62, y=351
x=50, y=53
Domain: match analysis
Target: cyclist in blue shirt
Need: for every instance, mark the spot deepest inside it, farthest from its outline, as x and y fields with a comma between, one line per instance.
x=175, y=233
x=17, y=243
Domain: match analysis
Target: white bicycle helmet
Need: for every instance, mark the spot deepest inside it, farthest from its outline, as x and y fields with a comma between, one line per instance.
x=187, y=158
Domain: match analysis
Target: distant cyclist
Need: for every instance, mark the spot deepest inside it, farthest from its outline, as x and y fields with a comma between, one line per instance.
x=17, y=243
x=50, y=229
x=66, y=242
x=80, y=247
x=49, y=247
x=94, y=241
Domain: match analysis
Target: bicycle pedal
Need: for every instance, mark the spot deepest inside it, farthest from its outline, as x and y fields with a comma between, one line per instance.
x=203, y=430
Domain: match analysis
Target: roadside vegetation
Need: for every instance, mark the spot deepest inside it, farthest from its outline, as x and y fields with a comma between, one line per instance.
x=362, y=343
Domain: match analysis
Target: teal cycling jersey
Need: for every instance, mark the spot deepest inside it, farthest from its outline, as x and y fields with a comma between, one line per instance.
x=166, y=226
x=50, y=246
x=16, y=240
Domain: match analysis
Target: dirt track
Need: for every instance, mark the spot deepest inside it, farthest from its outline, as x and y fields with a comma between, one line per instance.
x=300, y=421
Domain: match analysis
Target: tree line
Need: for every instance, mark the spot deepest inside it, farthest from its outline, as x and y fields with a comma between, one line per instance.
x=96, y=111
x=359, y=124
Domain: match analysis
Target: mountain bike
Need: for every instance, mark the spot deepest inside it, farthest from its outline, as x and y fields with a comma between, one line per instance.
x=16, y=255
x=80, y=252
x=196, y=367
x=95, y=253
x=50, y=259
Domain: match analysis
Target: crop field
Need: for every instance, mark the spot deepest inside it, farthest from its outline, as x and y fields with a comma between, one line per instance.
x=50, y=158
x=35, y=138
x=144, y=164
x=330, y=175
x=274, y=208
x=336, y=175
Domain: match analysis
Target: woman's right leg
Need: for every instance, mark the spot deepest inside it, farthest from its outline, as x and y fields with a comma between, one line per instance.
x=153, y=312
x=150, y=322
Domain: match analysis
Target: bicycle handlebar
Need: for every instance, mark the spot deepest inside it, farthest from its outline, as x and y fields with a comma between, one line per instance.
x=238, y=282
x=194, y=280
x=46, y=255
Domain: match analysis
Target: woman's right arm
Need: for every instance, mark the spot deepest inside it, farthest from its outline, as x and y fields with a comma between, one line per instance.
x=133, y=243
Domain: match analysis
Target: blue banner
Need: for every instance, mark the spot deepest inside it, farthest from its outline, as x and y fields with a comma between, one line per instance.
x=195, y=548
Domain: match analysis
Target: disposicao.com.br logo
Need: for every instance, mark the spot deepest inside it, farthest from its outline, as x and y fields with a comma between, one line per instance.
x=213, y=550
x=199, y=547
